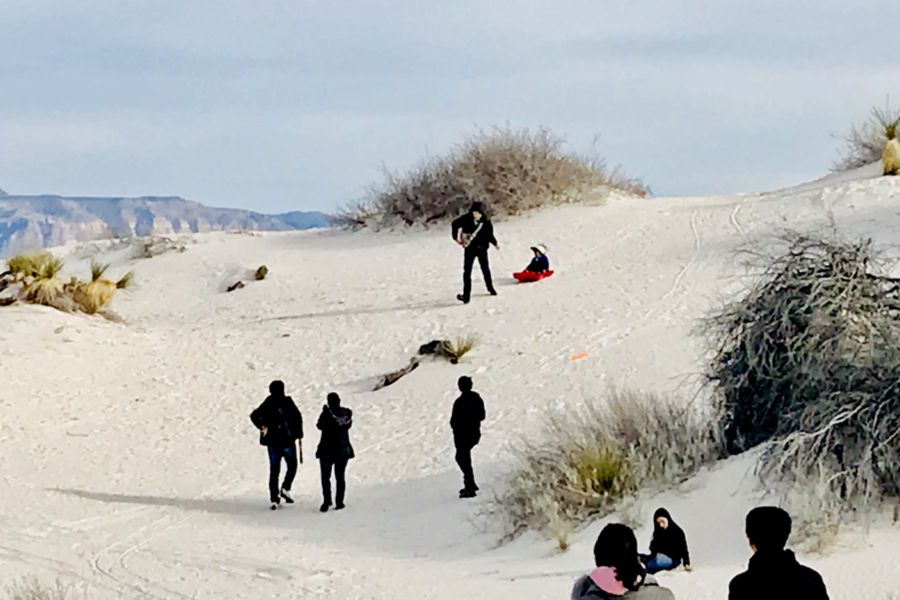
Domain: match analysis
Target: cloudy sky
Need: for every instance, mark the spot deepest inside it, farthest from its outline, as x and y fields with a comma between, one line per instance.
x=283, y=105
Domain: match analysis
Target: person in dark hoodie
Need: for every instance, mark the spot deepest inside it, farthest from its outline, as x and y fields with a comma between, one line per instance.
x=334, y=449
x=668, y=548
x=773, y=572
x=468, y=413
x=280, y=427
x=619, y=572
x=475, y=233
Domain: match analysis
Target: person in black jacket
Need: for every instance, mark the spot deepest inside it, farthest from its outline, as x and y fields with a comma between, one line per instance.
x=773, y=572
x=334, y=449
x=540, y=263
x=280, y=427
x=668, y=548
x=475, y=233
x=468, y=413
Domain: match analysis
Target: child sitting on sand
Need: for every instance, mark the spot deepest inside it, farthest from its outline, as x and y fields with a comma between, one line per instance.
x=540, y=263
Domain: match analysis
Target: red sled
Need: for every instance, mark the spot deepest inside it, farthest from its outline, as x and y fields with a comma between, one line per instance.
x=526, y=276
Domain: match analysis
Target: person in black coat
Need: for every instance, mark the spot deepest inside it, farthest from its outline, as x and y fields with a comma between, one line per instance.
x=468, y=413
x=475, y=233
x=540, y=263
x=334, y=449
x=773, y=572
x=668, y=548
x=280, y=427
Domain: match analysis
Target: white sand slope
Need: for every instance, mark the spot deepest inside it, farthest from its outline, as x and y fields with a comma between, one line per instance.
x=130, y=466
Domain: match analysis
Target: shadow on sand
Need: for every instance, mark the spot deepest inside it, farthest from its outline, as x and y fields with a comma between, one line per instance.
x=225, y=507
x=351, y=312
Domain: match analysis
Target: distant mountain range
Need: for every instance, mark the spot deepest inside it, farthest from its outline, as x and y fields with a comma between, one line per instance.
x=29, y=222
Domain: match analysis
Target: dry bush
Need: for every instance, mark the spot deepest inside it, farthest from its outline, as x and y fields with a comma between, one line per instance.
x=511, y=171
x=808, y=362
x=32, y=589
x=593, y=457
x=866, y=141
x=97, y=294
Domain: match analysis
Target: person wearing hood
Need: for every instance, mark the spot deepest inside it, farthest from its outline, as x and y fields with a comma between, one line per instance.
x=280, y=427
x=540, y=263
x=334, y=449
x=668, y=548
x=619, y=572
x=475, y=233
x=773, y=572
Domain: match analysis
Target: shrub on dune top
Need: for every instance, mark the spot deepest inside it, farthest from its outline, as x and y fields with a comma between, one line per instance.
x=867, y=141
x=592, y=457
x=511, y=171
x=807, y=361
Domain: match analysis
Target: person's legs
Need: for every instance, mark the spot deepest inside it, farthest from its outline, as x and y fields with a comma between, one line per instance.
x=274, y=472
x=660, y=562
x=340, y=483
x=290, y=457
x=464, y=460
x=326, y=481
x=486, y=271
x=468, y=263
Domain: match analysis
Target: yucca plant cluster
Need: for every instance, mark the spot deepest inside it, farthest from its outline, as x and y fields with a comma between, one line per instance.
x=38, y=278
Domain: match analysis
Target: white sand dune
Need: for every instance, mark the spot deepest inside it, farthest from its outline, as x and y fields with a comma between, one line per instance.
x=130, y=466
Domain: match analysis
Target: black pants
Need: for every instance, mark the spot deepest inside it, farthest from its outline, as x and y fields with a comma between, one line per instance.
x=290, y=457
x=340, y=484
x=470, y=255
x=464, y=447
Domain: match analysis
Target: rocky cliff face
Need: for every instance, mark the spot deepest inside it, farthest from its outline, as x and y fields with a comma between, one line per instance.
x=30, y=222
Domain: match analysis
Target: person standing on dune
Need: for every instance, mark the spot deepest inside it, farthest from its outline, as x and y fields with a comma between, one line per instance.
x=334, y=449
x=280, y=427
x=468, y=413
x=475, y=233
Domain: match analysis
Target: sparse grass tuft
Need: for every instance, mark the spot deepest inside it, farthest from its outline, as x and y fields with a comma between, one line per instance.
x=457, y=349
x=126, y=282
x=593, y=457
x=866, y=141
x=98, y=270
x=32, y=589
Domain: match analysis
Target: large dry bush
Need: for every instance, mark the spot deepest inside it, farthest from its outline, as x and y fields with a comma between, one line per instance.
x=594, y=456
x=511, y=171
x=808, y=361
x=866, y=141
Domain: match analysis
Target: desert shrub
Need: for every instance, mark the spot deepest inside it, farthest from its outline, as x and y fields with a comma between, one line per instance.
x=593, y=457
x=39, y=275
x=511, y=171
x=95, y=295
x=32, y=589
x=866, y=140
x=458, y=348
x=808, y=361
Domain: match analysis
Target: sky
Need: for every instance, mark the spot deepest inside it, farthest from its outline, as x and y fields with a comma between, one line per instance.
x=278, y=105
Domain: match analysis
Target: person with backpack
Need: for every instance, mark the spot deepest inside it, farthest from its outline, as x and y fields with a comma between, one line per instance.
x=475, y=233
x=465, y=421
x=619, y=572
x=280, y=427
x=334, y=449
x=668, y=548
x=773, y=572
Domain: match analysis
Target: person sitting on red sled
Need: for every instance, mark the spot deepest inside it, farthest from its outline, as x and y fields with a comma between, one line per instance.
x=540, y=263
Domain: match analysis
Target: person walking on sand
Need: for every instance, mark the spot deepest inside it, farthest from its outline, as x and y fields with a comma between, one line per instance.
x=475, y=233
x=773, y=572
x=468, y=413
x=334, y=449
x=619, y=572
x=668, y=548
x=280, y=427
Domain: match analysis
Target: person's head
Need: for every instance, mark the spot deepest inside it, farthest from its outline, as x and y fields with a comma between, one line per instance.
x=539, y=250
x=276, y=388
x=661, y=519
x=616, y=547
x=477, y=210
x=334, y=401
x=768, y=528
x=465, y=384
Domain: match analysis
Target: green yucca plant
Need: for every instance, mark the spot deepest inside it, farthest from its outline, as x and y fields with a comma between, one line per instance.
x=98, y=269
x=461, y=346
x=37, y=265
x=126, y=282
